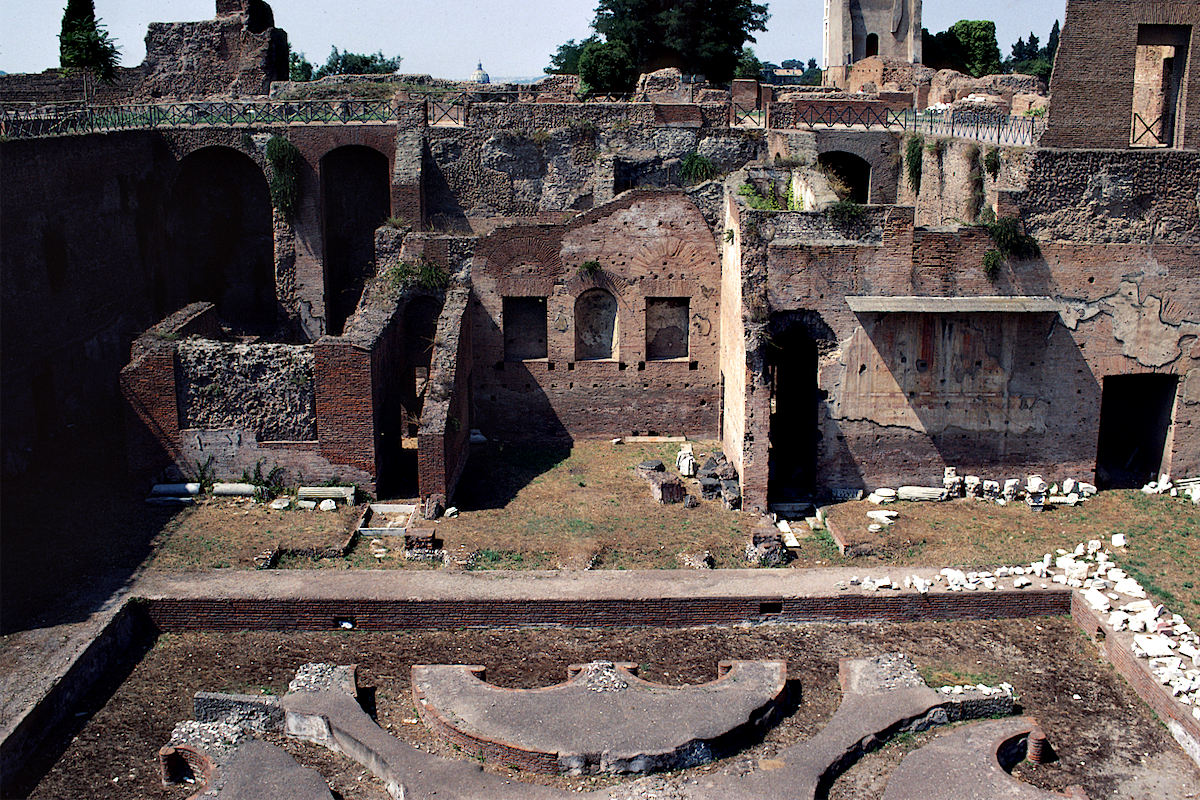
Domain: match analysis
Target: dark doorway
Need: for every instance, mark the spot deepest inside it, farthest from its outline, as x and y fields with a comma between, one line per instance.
x=848, y=174
x=221, y=236
x=357, y=200
x=872, y=48
x=792, y=371
x=1135, y=417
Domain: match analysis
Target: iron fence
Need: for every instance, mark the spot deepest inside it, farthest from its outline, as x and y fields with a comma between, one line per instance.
x=66, y=120
x=1016, y=131
x=453, y=109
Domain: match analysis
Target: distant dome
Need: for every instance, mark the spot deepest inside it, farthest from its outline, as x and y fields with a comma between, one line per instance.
x=479, y=76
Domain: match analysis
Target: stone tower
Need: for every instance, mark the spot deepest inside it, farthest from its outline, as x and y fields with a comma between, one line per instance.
x=856, y=29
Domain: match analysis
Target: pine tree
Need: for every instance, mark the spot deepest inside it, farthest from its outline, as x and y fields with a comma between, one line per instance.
x=83, y=44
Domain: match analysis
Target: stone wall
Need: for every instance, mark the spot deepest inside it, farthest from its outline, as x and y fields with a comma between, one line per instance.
x=1094, y=73
x=81, y=222
x=1103, y=196
x=263, y=388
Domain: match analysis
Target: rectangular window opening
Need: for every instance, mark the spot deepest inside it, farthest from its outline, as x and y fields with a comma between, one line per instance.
x=1159, y=66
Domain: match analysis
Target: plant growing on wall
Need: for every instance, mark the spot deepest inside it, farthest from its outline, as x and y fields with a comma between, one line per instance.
x=284, y=158
x=696, y=168
x=991, y=162
x=756, y=200
x=991, y=264
x=1011, y=241
x=423, y=272
x=975, y=193
x=589, y=269
x=913, y=155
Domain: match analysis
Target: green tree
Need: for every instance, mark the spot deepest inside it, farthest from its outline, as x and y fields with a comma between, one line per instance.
x=83, y=44
x=347, y=63
x=566, y=60
x=977, y=39
x=968, y=46
x=607, y=67
x=697, y=36
x=1052, y=43
x=749, y=66
x=299, y=67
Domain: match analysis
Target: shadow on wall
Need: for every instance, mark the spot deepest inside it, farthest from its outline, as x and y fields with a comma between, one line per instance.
x=221, y=239
x=979, y=391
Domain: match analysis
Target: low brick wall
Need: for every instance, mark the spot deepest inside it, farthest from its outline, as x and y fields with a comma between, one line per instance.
x=178, y=614
x=1117, y=648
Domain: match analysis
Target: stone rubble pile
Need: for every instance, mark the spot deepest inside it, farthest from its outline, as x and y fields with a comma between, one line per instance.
x=1187, y=488
x=1036, y=492
x=1170, y=645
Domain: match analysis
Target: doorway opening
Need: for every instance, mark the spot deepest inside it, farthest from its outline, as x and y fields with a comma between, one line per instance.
x=1135, y=417
x=792, y=370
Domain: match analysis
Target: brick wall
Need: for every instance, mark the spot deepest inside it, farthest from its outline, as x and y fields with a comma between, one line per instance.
x=176, y=614
x=444, y=440
x=648, y=245
x=1093, y=80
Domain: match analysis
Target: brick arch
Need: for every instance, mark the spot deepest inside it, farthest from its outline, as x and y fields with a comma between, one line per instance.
x=355, y=200
x=879, y=149
x=220, y=238
x=597, y=325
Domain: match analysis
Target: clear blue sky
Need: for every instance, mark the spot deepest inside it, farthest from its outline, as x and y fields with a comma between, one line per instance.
x=513, y=38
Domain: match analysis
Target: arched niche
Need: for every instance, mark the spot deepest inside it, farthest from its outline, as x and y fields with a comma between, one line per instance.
x=596, y=325
x=356, y=199
x=221, y=239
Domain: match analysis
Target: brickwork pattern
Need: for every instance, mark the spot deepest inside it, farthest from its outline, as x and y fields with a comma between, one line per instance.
x=1093, y=80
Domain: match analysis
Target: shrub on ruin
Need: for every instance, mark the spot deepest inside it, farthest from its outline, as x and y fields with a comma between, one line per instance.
x=845, y=214
x=758, y=201
x=913, y=156
x=284, y=158
x=1011, y=240
x=589, y=269
x=992, y=260
x=697, y=168
x=423, y=272
x=991, y=162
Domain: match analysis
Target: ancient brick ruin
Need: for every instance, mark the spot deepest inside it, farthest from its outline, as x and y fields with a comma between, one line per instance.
x=591, y=287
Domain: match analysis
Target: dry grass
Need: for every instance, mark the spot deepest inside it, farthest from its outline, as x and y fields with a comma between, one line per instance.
x=542, y=508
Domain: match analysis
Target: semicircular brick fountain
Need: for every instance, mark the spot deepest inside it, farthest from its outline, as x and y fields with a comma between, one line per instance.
x=604, y=718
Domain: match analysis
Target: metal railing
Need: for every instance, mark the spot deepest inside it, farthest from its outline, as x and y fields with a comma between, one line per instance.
x=67, y=120
x=1147, y=134
x=1017, y=131
x=453, y=110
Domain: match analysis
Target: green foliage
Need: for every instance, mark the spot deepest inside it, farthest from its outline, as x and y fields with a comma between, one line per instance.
x=607, y=67
x=793, y=203
x=697, y=168
x=696, y=36
x=756, y=200
x=423, y=272
x=300, y=69
x=270, y=484
x=913, y=157
x=729, y=234
x=992, y=260
x=1011, y=241
x=748, y=65
x=991, y=162
x=1028, y=59
x=347, y=63
x=590, y=269
x=845, y=213
x=84, y=44
x=813, y=76
x=397, y=222
x=968, y=46
x=285, y=161
x=566, y=60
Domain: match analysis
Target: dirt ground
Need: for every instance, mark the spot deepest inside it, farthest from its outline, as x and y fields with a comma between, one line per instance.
x=576, y=509
x=1105, y=738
